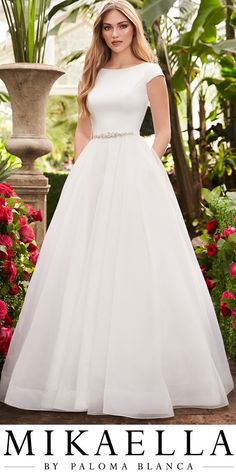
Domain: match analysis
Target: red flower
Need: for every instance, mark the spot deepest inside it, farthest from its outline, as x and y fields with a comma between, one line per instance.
x=211, y=249
x=34, y=215
x=26, y=234
x=6, y=215
x=3, y=309
x=10, y=270
x=5, y=339
x=228, y=294
x=211, y=226
x=229, y=230
x=223, y=306
x=2, y=201
x=233, y=311
x=32, y=247
x=34, y=257
x=217, y=236
x=210, y=283
x=232, y=269
x=224, y=309
x=22, y=220
x=6, y=190
x=26, y=275
x=5, y=240
x=14, y=289
x=4, y=314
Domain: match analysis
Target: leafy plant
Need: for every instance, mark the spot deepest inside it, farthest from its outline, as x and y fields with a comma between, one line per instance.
x=18, y=257
x=8, y=163
x=28, y=22
x=217, y=258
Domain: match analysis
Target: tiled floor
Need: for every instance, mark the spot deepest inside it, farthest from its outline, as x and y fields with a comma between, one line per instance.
x=225, y=415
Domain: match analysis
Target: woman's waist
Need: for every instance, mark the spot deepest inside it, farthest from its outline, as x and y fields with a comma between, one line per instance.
x=113, y=133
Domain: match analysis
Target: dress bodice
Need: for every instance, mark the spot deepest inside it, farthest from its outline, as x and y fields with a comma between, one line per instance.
x=119, y=100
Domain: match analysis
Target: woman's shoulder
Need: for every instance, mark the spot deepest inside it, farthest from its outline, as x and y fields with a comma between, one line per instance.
x=153, y=69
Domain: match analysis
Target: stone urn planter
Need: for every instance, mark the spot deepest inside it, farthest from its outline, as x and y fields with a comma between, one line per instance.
x=28, y=86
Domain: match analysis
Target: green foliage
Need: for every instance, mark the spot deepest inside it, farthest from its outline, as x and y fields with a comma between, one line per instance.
x=8, y=163
x=18, y=256
x=220, y=207
x=56, y=180
x=28, y=22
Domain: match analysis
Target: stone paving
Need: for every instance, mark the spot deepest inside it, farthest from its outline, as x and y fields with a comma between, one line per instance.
x=225, y=415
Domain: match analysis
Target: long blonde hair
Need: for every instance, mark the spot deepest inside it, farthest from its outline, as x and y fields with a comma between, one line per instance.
x=99, y=53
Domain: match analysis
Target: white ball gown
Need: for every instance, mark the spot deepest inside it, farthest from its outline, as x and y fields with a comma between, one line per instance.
x=117, y=318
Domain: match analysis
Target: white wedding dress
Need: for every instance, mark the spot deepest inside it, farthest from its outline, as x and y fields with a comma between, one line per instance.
x=117, y=318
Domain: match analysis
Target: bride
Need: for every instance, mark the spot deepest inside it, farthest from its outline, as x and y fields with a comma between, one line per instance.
x=117, y=318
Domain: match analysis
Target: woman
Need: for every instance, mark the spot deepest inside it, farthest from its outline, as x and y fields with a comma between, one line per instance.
x=117, y=318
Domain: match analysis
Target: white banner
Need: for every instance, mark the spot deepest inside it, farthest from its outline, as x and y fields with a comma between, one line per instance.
x=133, y=447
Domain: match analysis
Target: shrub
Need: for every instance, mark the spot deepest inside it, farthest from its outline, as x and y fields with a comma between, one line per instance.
x=18, y=256
x=217, y=258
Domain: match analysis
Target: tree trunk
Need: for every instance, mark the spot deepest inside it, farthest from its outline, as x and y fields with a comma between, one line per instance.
x=202, y=132
x=197, y=184
x=230, y=34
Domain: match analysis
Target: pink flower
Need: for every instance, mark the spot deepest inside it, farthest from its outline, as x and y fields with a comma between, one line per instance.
x=229, y=230
x=211, y=249
x=211, y=226
x=232, y=269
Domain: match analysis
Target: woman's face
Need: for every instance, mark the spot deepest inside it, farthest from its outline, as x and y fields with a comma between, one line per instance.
x=117, y=27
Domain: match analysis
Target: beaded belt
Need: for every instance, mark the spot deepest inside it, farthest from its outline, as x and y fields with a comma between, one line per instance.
x=112, y=134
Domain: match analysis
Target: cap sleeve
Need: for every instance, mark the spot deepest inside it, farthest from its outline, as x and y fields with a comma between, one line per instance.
x=153, y=70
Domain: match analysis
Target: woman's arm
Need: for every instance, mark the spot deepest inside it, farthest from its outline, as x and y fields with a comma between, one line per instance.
x=82, y=135
x=159, y=103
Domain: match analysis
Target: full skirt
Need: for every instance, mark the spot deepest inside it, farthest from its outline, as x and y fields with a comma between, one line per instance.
x=117, y=318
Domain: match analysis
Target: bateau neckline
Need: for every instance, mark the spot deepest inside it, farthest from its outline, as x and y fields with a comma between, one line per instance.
x=124, y=68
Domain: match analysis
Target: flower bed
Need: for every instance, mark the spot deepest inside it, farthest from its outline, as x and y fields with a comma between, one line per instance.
x=217, y=259
x=18, y=257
